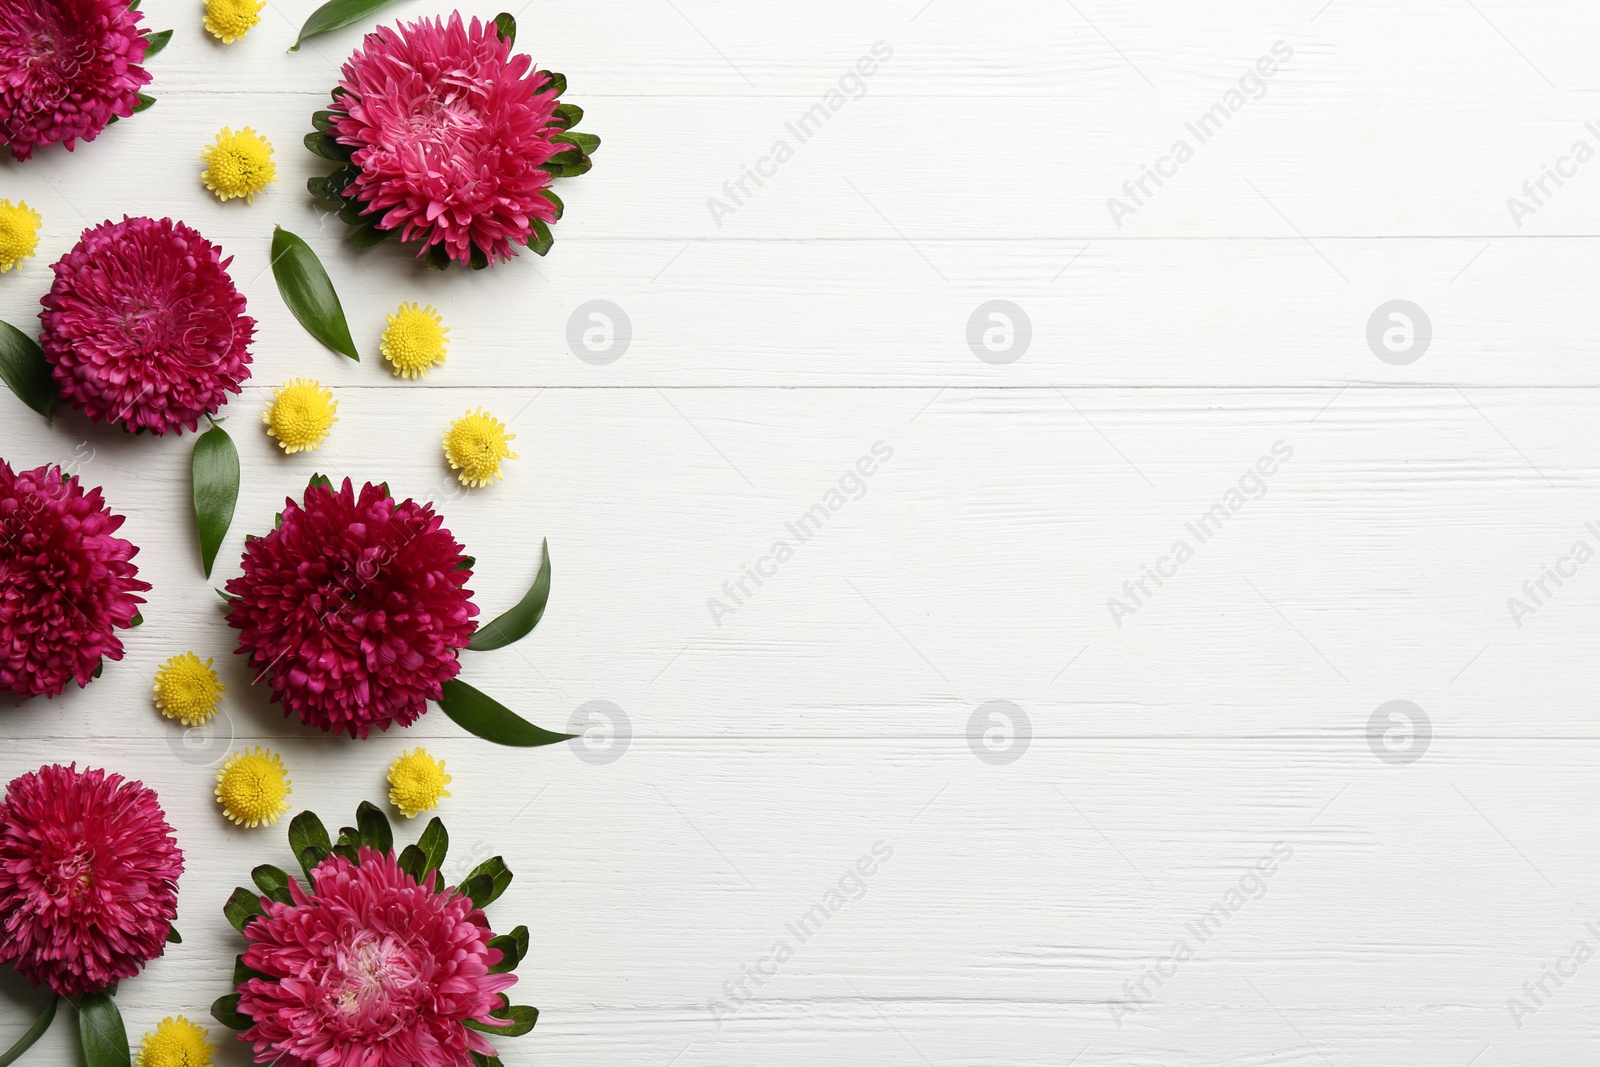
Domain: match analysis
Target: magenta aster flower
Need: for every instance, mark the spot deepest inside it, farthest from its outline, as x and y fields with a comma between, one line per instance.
x=88, y=878
x=67, y=68
x=354, y=608
x=144, y=327
x=452, y=141
x=66, y=584
x=370, y=968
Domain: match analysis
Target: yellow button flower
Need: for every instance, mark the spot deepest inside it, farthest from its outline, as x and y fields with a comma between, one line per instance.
x=238, y=164
x=475, y=446
x=417, y=783
x=19, y=233
x=188, y=690
x=414, y=340
x=253, y=788
x=175, y=1043
x=301, y=414
x=229, y=20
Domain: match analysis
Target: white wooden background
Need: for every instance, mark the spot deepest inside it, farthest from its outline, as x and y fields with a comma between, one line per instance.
x=835, y=709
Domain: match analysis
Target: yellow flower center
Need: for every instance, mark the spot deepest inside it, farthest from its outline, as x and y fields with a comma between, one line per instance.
x=238, y=164
x=229, y=20
x=414, y=340
x=301, y=413
x=475, y=446
x=417, y=783
x=253, y=787
x=19, y=233
x=188, y=690
x=176, y=1043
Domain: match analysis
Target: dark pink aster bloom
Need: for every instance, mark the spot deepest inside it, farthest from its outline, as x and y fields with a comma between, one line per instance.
x=354, y=608
x=451, y=133
x=67, y=68
x=66, y=584
x=144, y=327
x=88, y=878
x=370, y=969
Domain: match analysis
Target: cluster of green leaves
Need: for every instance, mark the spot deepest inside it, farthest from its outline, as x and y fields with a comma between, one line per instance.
x=571, y=159
x=312, y=846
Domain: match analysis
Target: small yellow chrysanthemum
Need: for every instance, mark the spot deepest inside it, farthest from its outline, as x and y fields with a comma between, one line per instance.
x=253, y=788
x=229, y=20
x=475, y=446
x=176, y=1043
x=238, y=164
x=417, y=783
x=301, y=413
x=414, y=341
x=19, y=233
x=188, y=690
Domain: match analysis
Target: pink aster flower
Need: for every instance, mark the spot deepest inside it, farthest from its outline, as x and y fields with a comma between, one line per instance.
x=66, y=584
x=88, y=878
x=67, y=68
x=354, y=608
x=451, y=137
x=144, y=327
x=370, y=969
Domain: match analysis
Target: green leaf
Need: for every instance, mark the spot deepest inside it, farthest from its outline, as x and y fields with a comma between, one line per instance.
x=306, y=833
x=348, y=851
x=322, y=120
x=137, y=620
x=561, y=208
x=557, y=83
x=226, y=1011
x=506, y=26
x=519, y=622
x=105, y=1039
x=570, y=114
x=173, y=937
x=485, y=717
x=241, y=907
x=214, y=478
x=375, y=831
x=334, y=15
x=155, y=42
x=309, y=293
x=146, y=101
x=480, y=1060
x=568, y=164
x=513, y=947
x=585, y=142
x=434, y=843
x=414, y=862
x=488, y=880
x=269, y=879
x=35, y=1032
x=319, y=480
x=321, y=144
x=519, y=1020
x=540, y=240
x=25, y=370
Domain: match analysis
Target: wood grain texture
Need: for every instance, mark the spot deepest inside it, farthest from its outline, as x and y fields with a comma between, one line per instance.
x=786, y=720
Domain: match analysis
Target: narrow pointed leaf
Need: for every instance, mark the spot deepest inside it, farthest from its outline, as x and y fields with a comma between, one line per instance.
x=374, y=830
x=336, y=14
x=156, y=42
x=146, y=101
x=519, y=622
x=413, y=861
x=309, y=293
x=519, y=1019
x=540, y=239
x=485, y=717
x=242, y=973
x=506, y=26
x=173, y=937
x=214, y=477
x=25, y=370
x=494, y=876
x=100, y=1029
x=226, y=1012
x=35, y=1032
